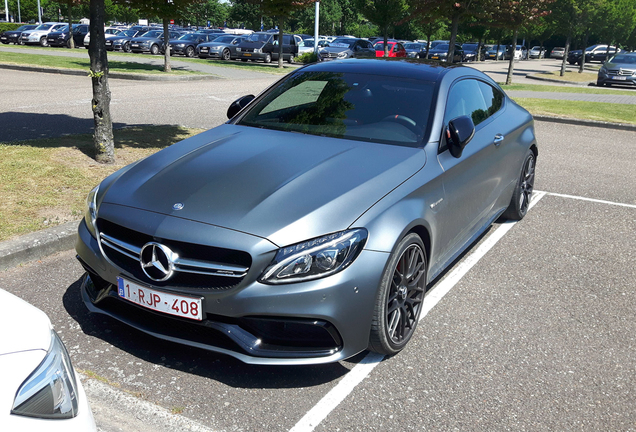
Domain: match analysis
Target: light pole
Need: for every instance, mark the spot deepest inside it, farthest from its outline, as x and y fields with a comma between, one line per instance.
x=39, y=13
x=316, y=27
x=6, y=10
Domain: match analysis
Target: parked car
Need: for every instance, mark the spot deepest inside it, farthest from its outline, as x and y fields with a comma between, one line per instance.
x=151, y=41
x=63, y=38
x=557, y=52
x=307, y=45
x=39, y=391
x=109, y=32
x=520, y=53
x=187, y=44
x=39, y=34
x=13, y=36
x=438, y=42
x=223, y=47
x=121, y=41
x=440, y=52
x=338, y=194
x=415, y=50
x=264, y=46
x=496, y=54
x=471, y=49
x=596, y=53
x=343, y=48
x=396, y=49
x=619, y=69
x=537, y=52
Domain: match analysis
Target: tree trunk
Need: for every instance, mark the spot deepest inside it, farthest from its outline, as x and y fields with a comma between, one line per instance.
x=498, y=48
x=428, y=41
x=385, y=32
x=451, y=45
x=103, y=135
x=511, y=64
x=167, y=67
x=280, y=42
x=565, y=53
x=70, y=25
x=582, y=62
x=479, y=45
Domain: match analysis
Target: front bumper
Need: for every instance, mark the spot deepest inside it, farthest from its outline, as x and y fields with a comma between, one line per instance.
x=31, y=39
x=210, y=54
x=606, y=78
x=319, y=321
x=252, y=55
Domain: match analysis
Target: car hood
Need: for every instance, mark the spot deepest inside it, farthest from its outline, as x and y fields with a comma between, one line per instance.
x=283, y=186
x=211, y=44
x=332, y=49
x=144, y=39
x=25, y=327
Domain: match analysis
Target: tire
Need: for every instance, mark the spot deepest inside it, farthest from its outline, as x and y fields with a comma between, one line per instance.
x=417, y=56
x=154, y=49
x=268, y=58
x=520, y=201
x=226, y=55
x=126, y=47
x=290, y=60
x=189, y=52
x=243, y=60
x=599, y=84
x=43, y=41
x=400, y=296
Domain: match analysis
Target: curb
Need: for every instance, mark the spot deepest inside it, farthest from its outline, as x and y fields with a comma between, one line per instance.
x=37, y=245
x=539, y=78
x=113, y=75
x=591, y=123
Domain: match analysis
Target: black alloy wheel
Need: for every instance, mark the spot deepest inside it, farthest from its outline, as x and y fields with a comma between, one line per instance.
x=520, y=201
x=399, y=302
x=225, y=55
x=189, y=52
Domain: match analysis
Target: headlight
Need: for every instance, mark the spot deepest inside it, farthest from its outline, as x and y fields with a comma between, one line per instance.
x=342, y=54
x=51, y=390
x=315, y=258
x=215, y=48
x=180, y=45
x=238, y=49
x=258, y=50
x=90, y=215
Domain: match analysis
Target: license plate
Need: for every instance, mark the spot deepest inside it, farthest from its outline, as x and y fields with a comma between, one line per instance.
x=247, y=54
x=204, y=50
x=134, y=45
x=620, y=78
x=109, y=43
x=434, y=57
x=51, y=40
x=3, y=38
x=179, y=305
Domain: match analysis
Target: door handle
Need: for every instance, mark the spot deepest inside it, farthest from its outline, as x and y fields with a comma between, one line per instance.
x=498, y=139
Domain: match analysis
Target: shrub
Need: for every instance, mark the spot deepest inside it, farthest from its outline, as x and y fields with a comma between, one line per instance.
x=9, y=26
x=305, y=58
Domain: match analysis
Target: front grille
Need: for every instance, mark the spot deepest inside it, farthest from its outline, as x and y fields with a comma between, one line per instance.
x=621, y=72
x=196, y=267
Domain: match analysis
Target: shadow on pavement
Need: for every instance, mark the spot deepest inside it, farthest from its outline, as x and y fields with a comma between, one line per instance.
x=218, y=367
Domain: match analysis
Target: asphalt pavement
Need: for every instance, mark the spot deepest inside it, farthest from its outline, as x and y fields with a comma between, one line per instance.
x=537, y=335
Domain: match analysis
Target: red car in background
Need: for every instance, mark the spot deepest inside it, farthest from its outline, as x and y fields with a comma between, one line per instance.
x=396, y=49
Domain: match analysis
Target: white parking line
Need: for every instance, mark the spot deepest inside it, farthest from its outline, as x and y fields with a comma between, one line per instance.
x=590, y=199
x=354, y=377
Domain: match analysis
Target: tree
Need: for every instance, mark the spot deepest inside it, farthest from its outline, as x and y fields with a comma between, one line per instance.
x=302, y=21
x=383, y=13
x=512, y=15
x=103, y=135
x=281, y=9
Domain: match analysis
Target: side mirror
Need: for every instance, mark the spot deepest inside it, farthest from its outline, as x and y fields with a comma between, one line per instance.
x=459, y=132
x=238, y=105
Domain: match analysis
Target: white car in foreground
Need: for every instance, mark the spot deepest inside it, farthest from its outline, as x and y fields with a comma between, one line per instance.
x=39, y=390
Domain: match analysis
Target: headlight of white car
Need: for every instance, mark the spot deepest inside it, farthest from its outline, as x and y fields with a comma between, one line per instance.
x=51, y=390
x=316, y=258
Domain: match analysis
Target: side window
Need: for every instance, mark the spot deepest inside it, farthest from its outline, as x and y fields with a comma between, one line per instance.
x=465, y=98
x=493, y=98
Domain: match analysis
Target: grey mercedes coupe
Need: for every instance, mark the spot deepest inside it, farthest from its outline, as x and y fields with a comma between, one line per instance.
x=306, y=228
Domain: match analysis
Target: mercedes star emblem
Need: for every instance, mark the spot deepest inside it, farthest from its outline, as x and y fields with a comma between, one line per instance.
x=157, y=261
x=177, y=206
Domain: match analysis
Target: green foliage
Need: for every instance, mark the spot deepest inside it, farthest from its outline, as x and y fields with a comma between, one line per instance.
x=305, y=58
x=8, y=26
x=244, y=14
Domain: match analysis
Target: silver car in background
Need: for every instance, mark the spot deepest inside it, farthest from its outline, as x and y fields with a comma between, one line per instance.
x=307, y=228
x=619, y=69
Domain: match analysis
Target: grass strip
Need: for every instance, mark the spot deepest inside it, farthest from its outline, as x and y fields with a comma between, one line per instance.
x=599, y=111
x=44, y=182
x=570, y=76
x=84, y=64
x=564, y=89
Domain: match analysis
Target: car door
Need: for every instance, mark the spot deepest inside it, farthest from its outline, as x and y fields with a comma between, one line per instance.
x=473, y=182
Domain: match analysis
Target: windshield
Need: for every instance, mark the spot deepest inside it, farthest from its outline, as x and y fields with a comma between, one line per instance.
x=43, y=27
x=189, y=36
x=623, y=58
x=153, y=34
x=225, y=39
x=256, y=37
x=361, y=107
x=469, y=46
x=380, y=46
x=112, y=31
x=129, y=33
x=412, y=46
x=342, y=43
